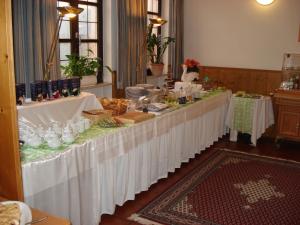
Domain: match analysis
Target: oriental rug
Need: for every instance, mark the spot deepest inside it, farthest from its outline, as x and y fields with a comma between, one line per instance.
x=229, y=188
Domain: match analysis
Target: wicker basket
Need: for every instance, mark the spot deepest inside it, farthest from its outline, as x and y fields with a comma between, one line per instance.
x=117, y=106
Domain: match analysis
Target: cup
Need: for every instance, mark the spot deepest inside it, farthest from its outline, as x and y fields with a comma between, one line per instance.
x=80, y=126
x=87, y=124
x=53, y=142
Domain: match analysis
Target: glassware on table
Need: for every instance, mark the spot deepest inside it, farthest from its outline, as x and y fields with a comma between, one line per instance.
x=67, y=135
x=34, y=140
x=131, y=106
x=52, y=138
x=80, y=125
x=57, y=128
x=87, y=123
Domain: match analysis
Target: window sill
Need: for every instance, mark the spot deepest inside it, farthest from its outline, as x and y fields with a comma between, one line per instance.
x=104, y=84
x=157, y=76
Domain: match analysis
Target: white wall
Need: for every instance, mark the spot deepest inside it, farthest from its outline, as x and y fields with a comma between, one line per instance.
x=241, y=33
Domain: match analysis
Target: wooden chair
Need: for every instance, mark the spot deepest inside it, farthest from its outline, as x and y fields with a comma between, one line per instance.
x=116, y=93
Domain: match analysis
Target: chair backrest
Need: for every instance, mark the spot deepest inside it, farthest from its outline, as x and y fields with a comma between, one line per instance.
x=116, y=93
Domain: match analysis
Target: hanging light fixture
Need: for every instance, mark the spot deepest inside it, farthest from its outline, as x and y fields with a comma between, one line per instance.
x=265, y=2
x=66, y=11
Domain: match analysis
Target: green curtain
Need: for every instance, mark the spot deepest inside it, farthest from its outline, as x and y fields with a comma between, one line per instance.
x=132, y=27
x=176, y=31
x=33, y=28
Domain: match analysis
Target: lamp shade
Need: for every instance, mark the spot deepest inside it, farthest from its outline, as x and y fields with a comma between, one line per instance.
x=157, y=22
x=69, y=11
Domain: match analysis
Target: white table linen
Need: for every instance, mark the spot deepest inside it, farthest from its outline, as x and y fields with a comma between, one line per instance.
x=263, y=117
x=59, y=110
x=89, y=180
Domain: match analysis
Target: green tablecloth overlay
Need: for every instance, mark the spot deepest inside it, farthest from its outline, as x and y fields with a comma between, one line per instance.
x=30, y=154
x=43, y=152
x=243, y=114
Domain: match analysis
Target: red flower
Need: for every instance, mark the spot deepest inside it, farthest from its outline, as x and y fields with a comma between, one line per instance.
x=191, y=63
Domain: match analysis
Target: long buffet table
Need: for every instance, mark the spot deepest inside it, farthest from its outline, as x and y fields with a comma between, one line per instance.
x=89, y=178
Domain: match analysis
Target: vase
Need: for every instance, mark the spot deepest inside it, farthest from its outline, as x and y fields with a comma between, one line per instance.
x=88, y=80
x=190, y=77
x=157, y=68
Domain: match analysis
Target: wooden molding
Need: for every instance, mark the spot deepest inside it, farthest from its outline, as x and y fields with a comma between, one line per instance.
x=10, y=166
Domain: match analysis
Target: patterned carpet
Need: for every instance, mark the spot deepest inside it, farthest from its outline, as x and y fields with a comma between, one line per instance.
x=230, y=188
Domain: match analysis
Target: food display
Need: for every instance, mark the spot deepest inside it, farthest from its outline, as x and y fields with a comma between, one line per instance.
x=10, y=214
x=134, y=117
x=96, y=115
x=109, y=123
x=117, y=106
x=243, y=94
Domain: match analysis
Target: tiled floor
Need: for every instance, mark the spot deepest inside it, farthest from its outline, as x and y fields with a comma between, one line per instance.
x=264, y=147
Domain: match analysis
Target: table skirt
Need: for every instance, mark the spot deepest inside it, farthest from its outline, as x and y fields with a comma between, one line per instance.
x=82, y=187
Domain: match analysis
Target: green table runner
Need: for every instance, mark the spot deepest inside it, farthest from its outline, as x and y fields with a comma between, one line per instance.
x=243, y=114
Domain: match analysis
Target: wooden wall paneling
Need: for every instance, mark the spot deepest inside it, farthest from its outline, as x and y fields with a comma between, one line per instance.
x=10, y=166
x=250, y=80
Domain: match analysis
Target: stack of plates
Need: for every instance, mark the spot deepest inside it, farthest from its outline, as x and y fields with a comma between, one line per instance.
x=135, y=92
x=146, y=86
x=155, y=107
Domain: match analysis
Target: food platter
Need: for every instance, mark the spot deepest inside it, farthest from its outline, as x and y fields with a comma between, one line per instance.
x=26, y=216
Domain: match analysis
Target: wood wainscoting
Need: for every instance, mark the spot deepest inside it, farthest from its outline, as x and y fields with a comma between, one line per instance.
x=249, y=80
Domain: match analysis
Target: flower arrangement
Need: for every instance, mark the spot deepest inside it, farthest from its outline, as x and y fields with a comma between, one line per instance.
x=192, y=65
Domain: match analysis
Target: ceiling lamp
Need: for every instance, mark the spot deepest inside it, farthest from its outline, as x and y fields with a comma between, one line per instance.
x=265, y=2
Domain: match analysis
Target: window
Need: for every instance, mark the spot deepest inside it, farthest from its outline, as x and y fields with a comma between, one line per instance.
x=154, y=11
x=83, y=32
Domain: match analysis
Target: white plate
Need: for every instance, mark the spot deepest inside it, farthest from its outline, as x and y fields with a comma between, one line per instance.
x=26, y=216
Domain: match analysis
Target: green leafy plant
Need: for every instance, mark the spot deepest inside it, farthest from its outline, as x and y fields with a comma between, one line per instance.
x=156, y=47
x=81, y=65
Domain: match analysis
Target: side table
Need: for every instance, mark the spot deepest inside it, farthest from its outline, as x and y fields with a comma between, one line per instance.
x=249, y=115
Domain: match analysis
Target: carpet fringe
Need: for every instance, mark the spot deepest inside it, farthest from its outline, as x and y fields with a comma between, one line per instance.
x=135, y=217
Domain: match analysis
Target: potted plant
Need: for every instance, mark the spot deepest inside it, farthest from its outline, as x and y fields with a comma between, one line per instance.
x=156, y=47
x=84, y=67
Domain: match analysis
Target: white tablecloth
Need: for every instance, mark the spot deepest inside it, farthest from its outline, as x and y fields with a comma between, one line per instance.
x=89, y=180
x=263, y=117
x=60, y=110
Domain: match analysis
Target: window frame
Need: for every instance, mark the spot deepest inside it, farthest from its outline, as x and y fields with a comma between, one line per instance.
x=74, y=39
